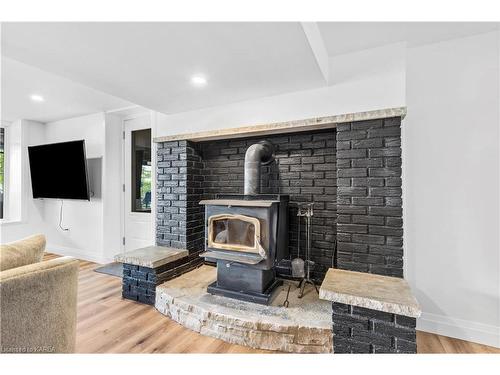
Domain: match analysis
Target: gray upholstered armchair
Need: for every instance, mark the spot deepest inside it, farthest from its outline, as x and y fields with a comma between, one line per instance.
x=37, y=299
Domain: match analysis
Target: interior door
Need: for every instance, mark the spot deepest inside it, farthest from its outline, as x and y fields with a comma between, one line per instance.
x=138, y=223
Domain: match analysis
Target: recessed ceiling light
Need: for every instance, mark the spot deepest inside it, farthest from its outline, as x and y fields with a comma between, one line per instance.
x=37, y=98
x=198, y=80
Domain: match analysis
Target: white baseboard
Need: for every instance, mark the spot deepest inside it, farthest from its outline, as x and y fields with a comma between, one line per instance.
x=460, y=329
x=81, y=254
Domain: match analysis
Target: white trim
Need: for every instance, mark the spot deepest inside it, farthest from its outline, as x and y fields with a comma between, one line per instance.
x=26, y=175
x=6, y=222
x=81, y=254
x=150, y=115
x=137, y=115
x=5, y=214
x=130, y=112
x=122, y=189
x=154, y=150
x=122, y=109
x=5, y=123
x=461, y=329
x=498, y=93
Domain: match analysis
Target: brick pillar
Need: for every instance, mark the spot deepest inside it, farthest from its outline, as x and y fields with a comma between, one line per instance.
x=360, y=330
x=195, y=213
x=179, y=221
x=369, y=204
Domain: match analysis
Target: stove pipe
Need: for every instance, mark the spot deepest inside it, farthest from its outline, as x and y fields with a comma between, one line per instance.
x=258, y=154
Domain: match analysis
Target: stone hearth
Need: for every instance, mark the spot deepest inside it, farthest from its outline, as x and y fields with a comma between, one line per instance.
x=304, y=327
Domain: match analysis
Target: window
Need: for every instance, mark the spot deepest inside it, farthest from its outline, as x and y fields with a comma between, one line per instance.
x=141, y=170
x=2, y=169
x=234, y=232
x=12, y=190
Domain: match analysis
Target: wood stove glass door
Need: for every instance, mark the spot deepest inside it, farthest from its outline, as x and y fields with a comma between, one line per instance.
x=235, y=232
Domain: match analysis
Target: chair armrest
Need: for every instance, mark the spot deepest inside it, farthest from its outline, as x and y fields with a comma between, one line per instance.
x=23, y=252
x=38, y=307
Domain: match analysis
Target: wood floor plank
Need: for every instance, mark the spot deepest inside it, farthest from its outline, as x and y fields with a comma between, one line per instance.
x=429, y=343
x=139, y=342
x=109, y=324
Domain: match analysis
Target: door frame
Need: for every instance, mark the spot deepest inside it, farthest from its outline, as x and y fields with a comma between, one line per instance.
x=124, y=174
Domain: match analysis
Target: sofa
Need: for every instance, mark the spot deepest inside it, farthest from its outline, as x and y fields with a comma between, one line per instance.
x=38, y=299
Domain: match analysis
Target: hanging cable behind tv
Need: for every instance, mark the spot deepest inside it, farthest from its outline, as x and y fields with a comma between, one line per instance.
x=61, y=218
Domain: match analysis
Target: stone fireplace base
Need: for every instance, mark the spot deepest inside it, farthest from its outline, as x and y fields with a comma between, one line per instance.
x=304, y=327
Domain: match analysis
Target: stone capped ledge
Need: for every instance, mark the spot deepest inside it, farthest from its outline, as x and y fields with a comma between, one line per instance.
x=381, y=293
x=370, y=313
x=151, y=256
x=145, y=268
x=315, y=123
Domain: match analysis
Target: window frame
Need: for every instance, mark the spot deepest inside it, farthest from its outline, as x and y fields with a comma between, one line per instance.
x=3, y=210
x=133, y=187
x=16, y=173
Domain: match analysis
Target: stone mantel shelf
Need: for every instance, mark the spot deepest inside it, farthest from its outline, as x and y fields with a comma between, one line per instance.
x=151, y=256
x=375, y=292
x=315, y=123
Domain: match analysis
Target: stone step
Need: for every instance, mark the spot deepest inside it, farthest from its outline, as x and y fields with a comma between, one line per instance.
x=303, y=327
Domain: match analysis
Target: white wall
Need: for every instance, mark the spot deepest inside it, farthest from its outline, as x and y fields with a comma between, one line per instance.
x=386, y=61
x=383, y=86
x=85, y=219
x=451, y=186
x=95, y=227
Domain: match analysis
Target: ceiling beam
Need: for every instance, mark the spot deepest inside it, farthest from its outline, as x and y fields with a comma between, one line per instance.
x=311, y=29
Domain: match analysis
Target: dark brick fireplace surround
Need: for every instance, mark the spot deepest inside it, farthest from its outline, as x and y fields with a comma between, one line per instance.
x=351, y=172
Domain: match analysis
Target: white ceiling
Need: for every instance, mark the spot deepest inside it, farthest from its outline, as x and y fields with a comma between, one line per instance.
x=150, y=64
x=346, y=37
x=63, y=98
x=111, y=65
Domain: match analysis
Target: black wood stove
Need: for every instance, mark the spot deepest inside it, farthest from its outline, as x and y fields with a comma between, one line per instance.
x=246, y=235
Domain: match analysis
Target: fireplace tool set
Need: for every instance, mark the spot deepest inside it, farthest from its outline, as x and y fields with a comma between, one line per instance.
x=301, y=268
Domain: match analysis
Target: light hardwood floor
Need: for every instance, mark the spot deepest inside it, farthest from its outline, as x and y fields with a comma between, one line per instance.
x=109, y=324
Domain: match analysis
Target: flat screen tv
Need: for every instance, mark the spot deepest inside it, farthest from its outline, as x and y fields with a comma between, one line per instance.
x=59, y=170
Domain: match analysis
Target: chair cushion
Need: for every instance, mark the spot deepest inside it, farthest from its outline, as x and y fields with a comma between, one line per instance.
x=23, y=252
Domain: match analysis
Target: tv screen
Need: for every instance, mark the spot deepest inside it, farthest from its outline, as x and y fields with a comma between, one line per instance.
x=59, y=170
